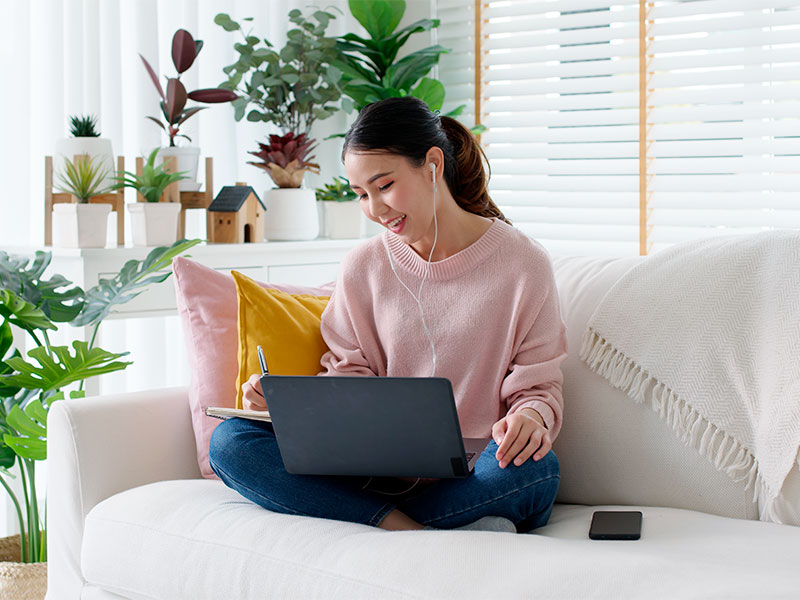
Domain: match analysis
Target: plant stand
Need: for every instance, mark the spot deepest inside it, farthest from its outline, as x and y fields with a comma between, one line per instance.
x=20, y=581
x=51, y=198
x=188, y=199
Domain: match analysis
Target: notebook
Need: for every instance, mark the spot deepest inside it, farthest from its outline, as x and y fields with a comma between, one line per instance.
x=379, y=426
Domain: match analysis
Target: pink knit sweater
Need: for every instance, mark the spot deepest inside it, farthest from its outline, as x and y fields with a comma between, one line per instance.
x=492, y=310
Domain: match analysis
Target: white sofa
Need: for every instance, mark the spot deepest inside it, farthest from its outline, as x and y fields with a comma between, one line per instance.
x=129, y=515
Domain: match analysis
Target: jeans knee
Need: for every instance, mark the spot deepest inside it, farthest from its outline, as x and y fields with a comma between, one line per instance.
x=223, y=440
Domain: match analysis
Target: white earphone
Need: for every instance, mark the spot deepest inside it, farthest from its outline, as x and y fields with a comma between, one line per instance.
x=418, y=295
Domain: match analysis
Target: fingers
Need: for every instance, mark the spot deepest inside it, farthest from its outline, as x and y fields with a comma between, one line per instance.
x=539, y=444
x=252, y=398
x=518, y=439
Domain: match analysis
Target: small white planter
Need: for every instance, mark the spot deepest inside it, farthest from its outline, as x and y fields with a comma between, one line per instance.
x=341, y=220
x=188, y=157
x=80, y=225
x=99, y=149
x=291, y=214
x=369, y=228
x=154, y=223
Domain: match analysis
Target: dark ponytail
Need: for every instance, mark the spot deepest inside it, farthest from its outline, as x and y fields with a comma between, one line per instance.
x=407, y=127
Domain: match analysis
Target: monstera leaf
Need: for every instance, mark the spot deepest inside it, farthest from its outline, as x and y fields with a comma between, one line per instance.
x=29, y=439
x=55, y=372
x=22, y=313
x=129, y=282
x=26, y=281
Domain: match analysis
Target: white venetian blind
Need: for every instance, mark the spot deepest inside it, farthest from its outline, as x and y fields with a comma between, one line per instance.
x=724, y=127
x=560, y=98
x=456, y=69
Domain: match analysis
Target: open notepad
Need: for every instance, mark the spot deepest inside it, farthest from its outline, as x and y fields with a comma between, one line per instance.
x=226, y=413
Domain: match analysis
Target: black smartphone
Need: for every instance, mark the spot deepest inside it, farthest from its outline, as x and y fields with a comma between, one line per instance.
x=616, y=525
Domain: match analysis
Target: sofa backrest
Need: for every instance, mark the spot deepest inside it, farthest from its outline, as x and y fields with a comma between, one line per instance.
x=611, y=449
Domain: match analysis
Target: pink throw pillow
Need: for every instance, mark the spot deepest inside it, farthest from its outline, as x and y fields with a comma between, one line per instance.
x=206, y=301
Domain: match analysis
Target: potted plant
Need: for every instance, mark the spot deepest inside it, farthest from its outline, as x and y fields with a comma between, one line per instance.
x=30, y=385
x=340, y=212
x=81, y=224
x=290, y=88
x=173, y=105
x=85, y=140
x=153, y=223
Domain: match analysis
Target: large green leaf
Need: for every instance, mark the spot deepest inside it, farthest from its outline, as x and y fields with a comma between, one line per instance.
x=22, y=313
x=6, y=340
x=27, y=282
x=30, y=427
x=409, y=70
x=431, y=92
x=378, y=17
x=131, y=281
x=55, y=372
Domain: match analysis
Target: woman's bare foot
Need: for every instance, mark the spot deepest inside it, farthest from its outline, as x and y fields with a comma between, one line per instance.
x=398, y=521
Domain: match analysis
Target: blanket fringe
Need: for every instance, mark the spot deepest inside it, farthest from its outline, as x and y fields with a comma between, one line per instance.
x=721, y=449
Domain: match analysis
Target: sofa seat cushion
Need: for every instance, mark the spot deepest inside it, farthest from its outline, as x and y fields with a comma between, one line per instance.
x=198, y=539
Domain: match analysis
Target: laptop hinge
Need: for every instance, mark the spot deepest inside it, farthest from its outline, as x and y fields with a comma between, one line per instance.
x=458, y=466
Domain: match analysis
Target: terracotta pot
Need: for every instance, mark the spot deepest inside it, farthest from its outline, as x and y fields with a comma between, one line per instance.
x=20, y=581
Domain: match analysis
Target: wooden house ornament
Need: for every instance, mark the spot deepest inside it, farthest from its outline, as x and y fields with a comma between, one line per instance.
x=236, y=216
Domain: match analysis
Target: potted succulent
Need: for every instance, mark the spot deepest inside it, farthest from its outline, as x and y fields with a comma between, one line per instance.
x=290, y=88
x=340, y=213
x=29, y=385
x=153, y=223
x=173, y=105
x=81, y=224
x=85, y=140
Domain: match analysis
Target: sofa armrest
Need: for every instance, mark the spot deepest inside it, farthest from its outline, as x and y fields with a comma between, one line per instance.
x=100, y=446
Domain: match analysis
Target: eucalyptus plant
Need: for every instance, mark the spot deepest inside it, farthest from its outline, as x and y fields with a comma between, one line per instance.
x=30, y=385
x=291, y=87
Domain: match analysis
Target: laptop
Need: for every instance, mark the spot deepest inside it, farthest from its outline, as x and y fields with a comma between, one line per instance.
x=380, y=426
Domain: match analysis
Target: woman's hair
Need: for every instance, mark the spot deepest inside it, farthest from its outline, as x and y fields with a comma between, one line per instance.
x=407, y=127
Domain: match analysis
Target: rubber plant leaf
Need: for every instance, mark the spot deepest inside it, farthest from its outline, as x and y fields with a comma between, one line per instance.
x=131, y=281
x=63, y=367
x=176, y=99
x=213, y=95
x=154, y=78
x=184, y=50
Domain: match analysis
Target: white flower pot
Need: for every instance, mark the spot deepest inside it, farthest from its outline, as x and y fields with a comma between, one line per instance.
x=291, y=214
x=369, y=228
x=188, y=157
x=99, y=149
x=154, y=223
x=341, y=220
x=80, y=225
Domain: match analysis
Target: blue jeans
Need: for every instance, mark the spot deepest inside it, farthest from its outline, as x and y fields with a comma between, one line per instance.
x=244, y=454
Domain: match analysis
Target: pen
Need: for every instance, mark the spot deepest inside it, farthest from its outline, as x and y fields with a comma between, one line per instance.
x=262, y=361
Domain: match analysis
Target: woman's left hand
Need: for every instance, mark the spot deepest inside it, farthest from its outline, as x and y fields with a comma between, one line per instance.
x=520, y=435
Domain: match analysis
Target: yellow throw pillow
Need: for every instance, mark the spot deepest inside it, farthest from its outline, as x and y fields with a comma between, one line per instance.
x=285, y=325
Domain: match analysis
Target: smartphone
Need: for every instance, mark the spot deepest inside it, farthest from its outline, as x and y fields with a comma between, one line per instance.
x=616, y=525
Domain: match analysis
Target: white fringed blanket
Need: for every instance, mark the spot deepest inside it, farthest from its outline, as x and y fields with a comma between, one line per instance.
x=709, y=333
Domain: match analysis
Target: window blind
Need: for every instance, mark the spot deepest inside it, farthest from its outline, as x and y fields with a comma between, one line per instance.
x=560, y=101
x=456, y=69
x=723, y=118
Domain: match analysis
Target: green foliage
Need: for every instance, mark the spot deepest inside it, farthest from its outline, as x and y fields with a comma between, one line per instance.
x=131, y=281
x=337, y=191
x=83, y=126
x=153, y=180
x=82, y=177
x=370, y=71
x=30, y=385
x=291, y=87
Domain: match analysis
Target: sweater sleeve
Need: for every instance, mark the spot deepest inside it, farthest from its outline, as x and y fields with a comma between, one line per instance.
x=345, y=355
x=534, y=376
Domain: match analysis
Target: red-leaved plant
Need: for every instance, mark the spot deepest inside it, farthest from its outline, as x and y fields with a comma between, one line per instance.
x=286, y=159
x=173, y=104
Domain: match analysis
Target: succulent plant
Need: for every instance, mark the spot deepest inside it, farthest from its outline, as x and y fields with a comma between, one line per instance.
x=285, y=158
x=337, y=191
x=153, y=180
x=82, y=177
x=83, y=126
x=173, y=104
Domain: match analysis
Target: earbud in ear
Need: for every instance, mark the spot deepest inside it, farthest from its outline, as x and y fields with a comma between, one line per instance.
x=433, y=171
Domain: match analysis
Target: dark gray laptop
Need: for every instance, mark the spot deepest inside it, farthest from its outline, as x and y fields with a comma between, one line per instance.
x=381, y=426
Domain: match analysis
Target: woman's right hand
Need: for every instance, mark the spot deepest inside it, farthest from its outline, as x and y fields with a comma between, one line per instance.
x=252, y=398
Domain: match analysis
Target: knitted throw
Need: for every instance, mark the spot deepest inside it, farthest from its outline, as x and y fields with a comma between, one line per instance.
x=708, y=332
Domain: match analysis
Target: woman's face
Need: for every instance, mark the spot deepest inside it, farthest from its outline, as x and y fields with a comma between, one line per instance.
x=392, y=192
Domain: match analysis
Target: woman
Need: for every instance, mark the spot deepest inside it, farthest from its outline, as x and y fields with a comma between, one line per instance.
x=488, y=320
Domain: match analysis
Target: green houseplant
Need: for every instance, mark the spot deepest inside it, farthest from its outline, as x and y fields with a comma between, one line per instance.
x=30, y=384
x=340, y=214
x=290, y=88
x=85, y=139
x=80, y=224
x=153, y=223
